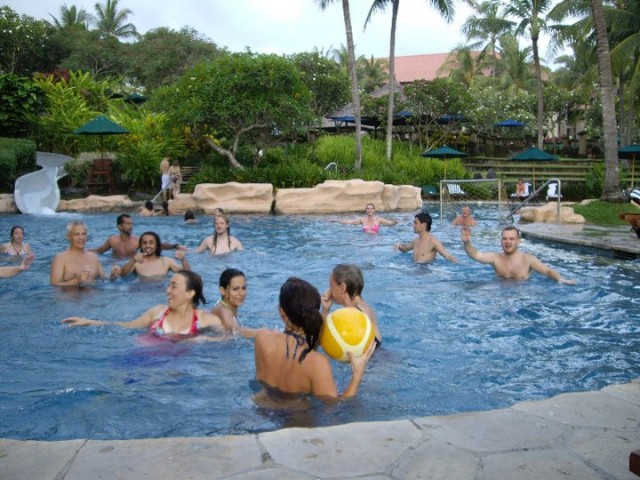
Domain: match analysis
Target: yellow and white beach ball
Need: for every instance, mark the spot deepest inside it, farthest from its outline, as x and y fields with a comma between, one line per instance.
x=346, y=330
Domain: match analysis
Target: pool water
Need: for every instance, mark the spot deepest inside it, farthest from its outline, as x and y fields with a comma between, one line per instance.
x=456, y=338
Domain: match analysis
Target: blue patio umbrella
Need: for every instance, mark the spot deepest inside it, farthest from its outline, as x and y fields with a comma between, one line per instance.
x=509, y=123
x=630, y=151
x=444, y=152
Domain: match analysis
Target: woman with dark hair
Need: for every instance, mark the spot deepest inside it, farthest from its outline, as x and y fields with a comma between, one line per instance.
x=233, y=292
x=16, y=247
x=179, y=319
x=221, y=241
x=287, y=362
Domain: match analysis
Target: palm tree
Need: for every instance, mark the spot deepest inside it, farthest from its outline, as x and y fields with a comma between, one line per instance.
x=355, y=89
x=611, y=189
x=486, y=30
x=373, y=74
x=111, y=22
x=529, y=13
x=462, y=66
x=445, y=7
x=72, y=17
x=515, y=66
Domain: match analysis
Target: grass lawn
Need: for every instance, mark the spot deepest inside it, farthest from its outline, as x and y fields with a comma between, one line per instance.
x=604, y=213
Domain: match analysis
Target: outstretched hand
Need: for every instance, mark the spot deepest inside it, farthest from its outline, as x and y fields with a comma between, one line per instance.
x=79, y=322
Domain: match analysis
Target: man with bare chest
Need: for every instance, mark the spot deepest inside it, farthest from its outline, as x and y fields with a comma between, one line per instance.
x=149, y=262
x=511, y=263
x=75, y=266
x=125, y=244
x=426, y=246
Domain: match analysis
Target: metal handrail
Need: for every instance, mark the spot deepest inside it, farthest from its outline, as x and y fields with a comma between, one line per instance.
x=535, y=193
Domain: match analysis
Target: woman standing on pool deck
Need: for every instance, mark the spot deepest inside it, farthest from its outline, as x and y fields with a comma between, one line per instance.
x=370, y=223
x=16, y=247
x=179, y=318
x=221, y=241
x=233, y=292
x=288, y=363
x=346, y=283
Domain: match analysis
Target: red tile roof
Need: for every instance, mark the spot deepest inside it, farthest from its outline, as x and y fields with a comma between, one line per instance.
x=419, y=67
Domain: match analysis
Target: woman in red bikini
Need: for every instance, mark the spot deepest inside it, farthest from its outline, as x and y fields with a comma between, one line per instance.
x=180, y=318
x=370, y=223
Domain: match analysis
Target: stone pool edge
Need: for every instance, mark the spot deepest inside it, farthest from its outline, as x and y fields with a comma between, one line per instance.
x=572, y=435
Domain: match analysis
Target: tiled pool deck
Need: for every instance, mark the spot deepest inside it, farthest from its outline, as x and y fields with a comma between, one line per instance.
x=582, y=436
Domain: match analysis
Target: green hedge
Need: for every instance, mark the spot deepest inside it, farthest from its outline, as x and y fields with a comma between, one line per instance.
x=17, y=157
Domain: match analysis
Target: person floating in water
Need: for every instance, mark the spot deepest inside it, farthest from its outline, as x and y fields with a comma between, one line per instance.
x=346, y=283
x=149, y=262
x=180, y=318
x=221, y=241
x=233, y=292
x=465, y=219
x=287, y=362
x=426, y=246
x=371, y=223
x=511, y=263
x=16, y=247
x=6, y=272
x=75, y=266
x=125, y=244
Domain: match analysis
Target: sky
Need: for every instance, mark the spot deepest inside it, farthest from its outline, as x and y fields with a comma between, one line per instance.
x=285, y=26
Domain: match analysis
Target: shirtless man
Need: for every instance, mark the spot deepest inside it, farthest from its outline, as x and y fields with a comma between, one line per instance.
x=465, y=219
x=150, y=262
x=511, y=264
x=125, y=244
x=75, y=266
x=426, y=245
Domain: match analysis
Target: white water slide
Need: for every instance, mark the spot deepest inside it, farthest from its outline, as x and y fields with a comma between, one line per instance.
x=38, y=192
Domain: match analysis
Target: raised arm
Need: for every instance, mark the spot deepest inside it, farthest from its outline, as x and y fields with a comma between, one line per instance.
x=481, y=257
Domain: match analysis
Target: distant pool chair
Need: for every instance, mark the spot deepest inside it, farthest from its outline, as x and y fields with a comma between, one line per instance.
x=552, y=193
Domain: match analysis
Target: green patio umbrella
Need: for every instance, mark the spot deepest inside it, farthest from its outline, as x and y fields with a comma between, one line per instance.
x=100, y=126
x=444, y=152
x=630, y=151
x=534, y=155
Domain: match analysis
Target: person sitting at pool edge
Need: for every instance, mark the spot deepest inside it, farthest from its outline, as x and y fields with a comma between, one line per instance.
x=125, y=244
x=426, y=245
x=177, y=320
x=287, y=362
x=75, y=266
x=232, y=286
x=511, y=263
x=149, y=262
x=7, y=272
x=346, y=283
x=370, y=223
x=465, y=218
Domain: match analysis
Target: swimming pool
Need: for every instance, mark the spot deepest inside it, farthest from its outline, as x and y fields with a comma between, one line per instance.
x=455, y=338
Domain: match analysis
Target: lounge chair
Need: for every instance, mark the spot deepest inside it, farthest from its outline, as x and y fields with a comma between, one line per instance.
x=455, y=189
x=552, y=192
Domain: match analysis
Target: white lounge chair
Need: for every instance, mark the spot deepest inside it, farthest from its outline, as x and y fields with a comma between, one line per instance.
x=552, y=192
x=455, y=189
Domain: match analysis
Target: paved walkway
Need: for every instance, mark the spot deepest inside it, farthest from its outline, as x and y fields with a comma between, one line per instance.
x=572, y=436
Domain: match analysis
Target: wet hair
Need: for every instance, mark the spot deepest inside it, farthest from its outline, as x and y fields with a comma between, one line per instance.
x=148, y=205
x=424, y=217
x=193, y=282
x=75, y=223
x=121, y=217
x=189, y=215
x=301, y=302
x=510, y=227
x=351, y=276
x=227, y=275
x=158, y=251
x=14, y=228
x=218, y=211
x=215, y=232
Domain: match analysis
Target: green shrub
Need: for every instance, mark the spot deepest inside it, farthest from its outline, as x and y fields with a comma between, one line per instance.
x=17, y=157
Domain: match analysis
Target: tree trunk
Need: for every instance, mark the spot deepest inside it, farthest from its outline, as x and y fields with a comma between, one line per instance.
x=539, y=92
x=611, y=190
x=355, y=89
x=392, y=79
x=223, y=151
